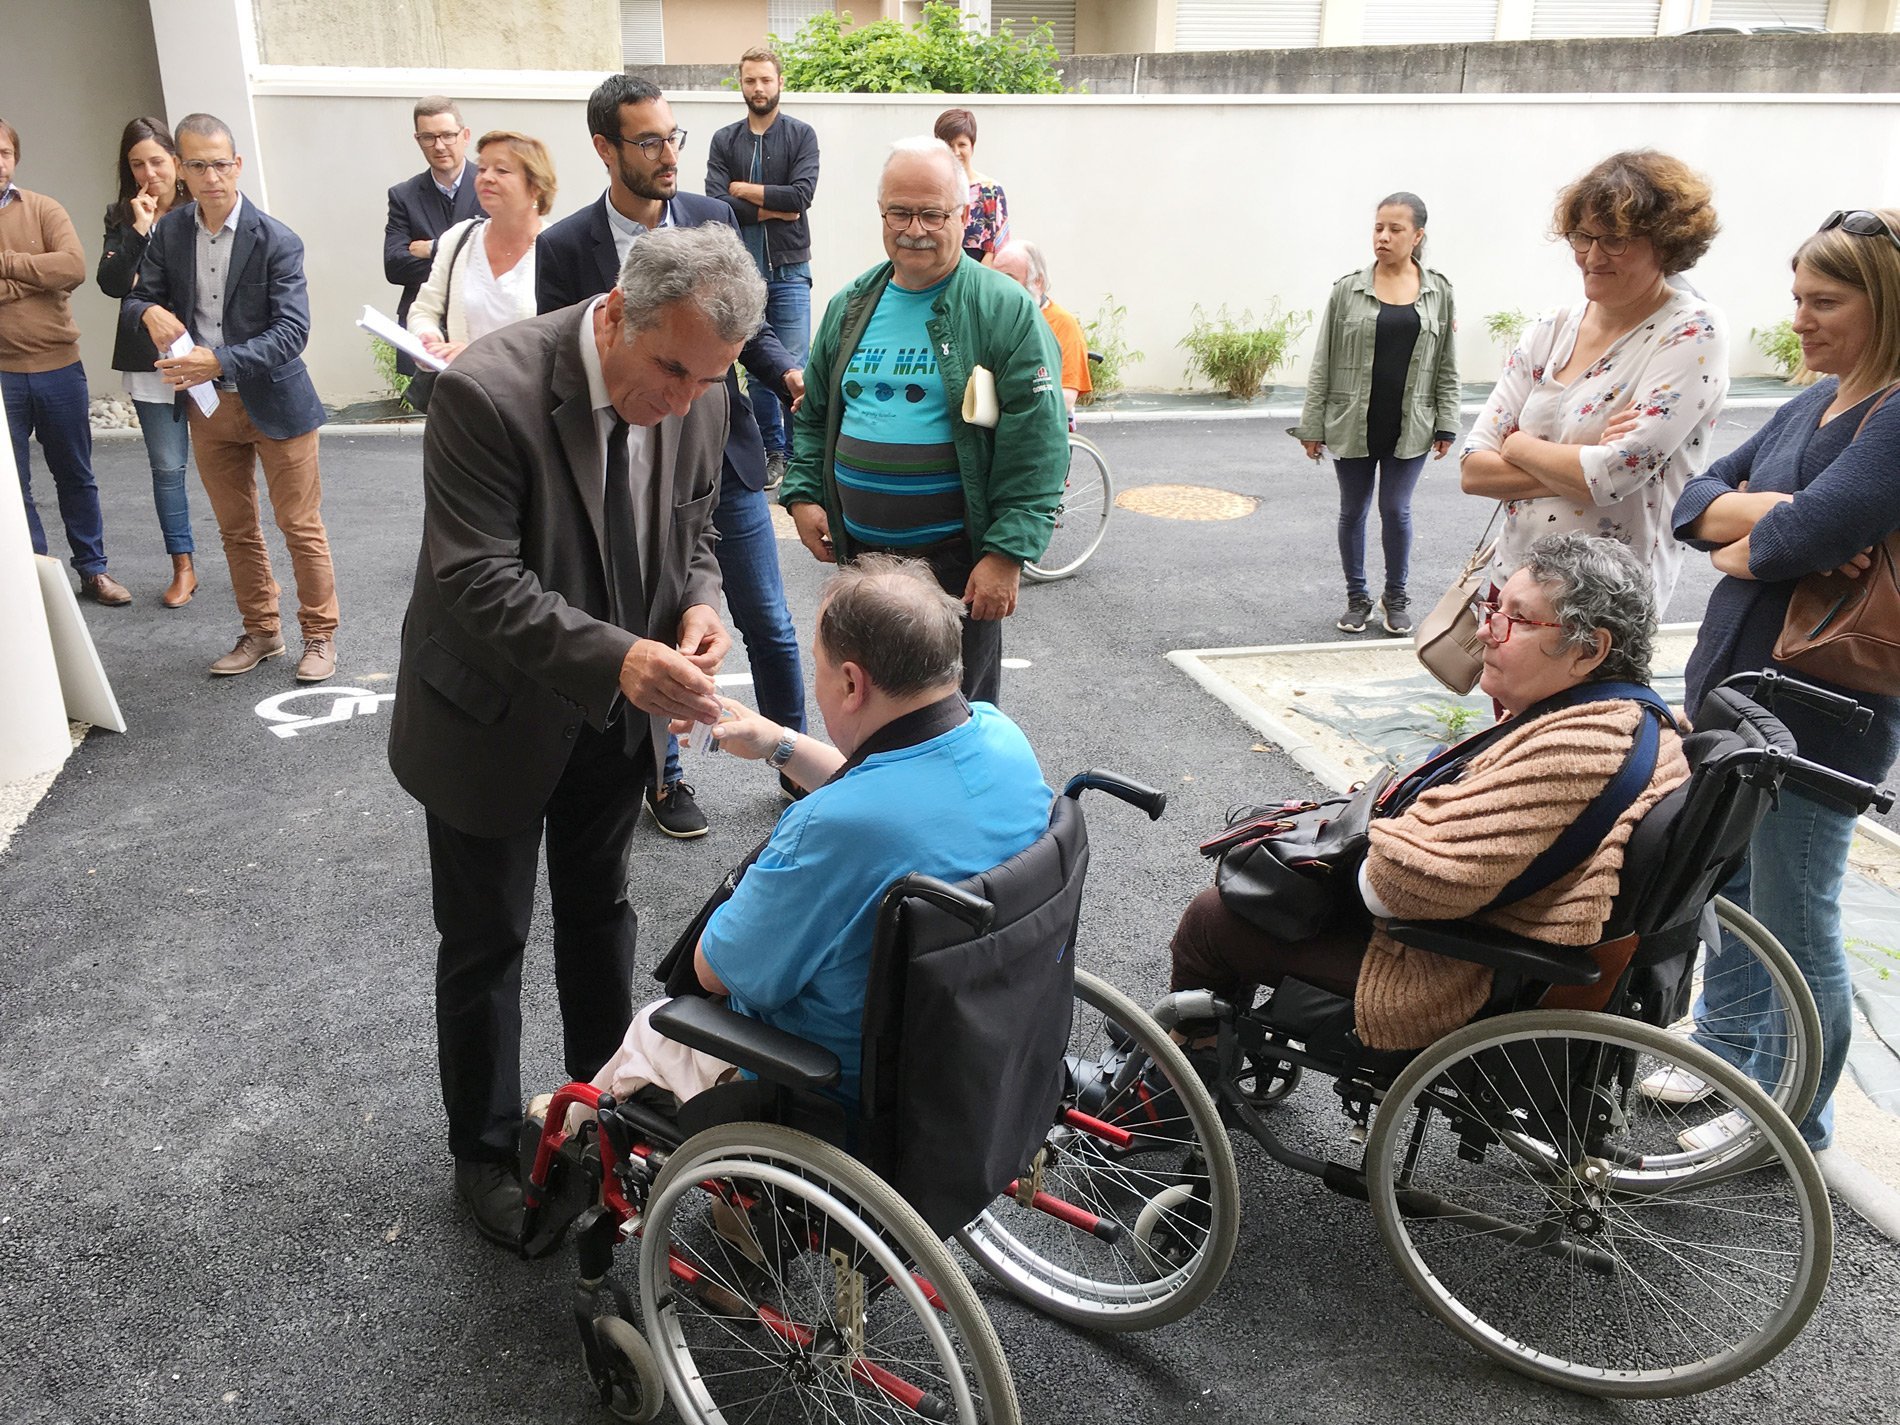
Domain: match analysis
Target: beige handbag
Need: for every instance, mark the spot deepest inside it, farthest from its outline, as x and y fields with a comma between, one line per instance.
x=1446, y=639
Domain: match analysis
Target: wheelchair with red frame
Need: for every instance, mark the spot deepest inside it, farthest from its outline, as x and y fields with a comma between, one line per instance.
x=791, y=1249
x=1541, y=1201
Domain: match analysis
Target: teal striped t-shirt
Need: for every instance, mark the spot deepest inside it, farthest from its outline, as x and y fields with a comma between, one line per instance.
x=896, y=463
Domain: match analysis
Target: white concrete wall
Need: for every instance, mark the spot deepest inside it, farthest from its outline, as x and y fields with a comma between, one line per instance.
x=1163, y=202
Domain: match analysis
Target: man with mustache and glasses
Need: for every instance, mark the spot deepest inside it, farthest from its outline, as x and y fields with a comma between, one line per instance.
x=580, y=257
x=934, y=426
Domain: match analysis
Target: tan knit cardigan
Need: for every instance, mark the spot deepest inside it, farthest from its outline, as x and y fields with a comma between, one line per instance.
x=1458, y=845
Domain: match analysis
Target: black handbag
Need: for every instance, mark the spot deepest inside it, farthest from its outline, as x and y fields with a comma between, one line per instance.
x=1288, y=869
x=422, y=385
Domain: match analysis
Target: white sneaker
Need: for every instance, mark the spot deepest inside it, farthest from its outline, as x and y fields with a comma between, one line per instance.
x=1717, y=1131
x=1674, y=1084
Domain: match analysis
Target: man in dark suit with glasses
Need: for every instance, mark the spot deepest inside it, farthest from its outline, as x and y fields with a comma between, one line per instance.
x=424, y=207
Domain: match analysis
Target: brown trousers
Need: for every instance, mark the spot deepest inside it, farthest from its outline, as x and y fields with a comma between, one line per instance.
x=1214, y=949
x=229, y=449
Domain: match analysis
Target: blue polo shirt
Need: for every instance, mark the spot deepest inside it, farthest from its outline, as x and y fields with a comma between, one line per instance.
x=793, y=945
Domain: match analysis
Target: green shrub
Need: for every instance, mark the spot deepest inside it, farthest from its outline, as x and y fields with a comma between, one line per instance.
x=1782, y=347
x=1450, y=721
x=1240, y=354
x=1105, y=339
x=397, y=384
x=1507, y=327
x=938, y=55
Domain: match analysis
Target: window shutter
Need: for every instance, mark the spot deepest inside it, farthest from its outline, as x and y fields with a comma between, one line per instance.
x=1059, y=15
x=1425, y=22
x=642, y=34
x=1246, y=24
x=1769, y=12
x=1582, y=19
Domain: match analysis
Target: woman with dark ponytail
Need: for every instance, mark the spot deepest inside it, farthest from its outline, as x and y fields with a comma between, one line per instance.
x=149, y=185
x=1383, y=391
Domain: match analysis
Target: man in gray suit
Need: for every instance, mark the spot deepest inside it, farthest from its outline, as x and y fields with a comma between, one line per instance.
x=565, y=608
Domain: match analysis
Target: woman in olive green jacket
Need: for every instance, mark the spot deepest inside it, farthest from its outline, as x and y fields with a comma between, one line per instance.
x=1384, y=390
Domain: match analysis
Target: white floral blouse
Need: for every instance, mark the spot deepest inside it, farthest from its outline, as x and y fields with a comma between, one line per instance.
x=1674, y=367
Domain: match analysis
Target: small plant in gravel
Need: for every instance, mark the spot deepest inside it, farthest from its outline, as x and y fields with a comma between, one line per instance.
x=1240, y=353
x=397, y=384
x=1450, y=721
x=1781, y=346
x=1105, y=340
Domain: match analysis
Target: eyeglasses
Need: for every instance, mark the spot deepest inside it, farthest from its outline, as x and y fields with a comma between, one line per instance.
x=1611, y=246
x=1497, y=623
x=199, y=167
x=439, y=140
x=930, y=219
x=1860, y=223
x=651, y=147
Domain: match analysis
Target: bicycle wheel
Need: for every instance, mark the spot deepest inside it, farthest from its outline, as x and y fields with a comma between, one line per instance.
x=1140, y=1204
x=782, y=1279
x=1088, y=498
x=1555, y=1268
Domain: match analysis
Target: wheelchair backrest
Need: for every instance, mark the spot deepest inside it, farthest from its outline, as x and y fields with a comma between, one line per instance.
x=964, y=1035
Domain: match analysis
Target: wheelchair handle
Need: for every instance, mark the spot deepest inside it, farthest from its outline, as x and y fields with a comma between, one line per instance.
x=1126, y=789
x=973, y=911
x=1776, y=769
x=1769, y=684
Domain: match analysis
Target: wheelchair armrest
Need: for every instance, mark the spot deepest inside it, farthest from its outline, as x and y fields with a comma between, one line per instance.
x=773, y=1054
x=1501, y=950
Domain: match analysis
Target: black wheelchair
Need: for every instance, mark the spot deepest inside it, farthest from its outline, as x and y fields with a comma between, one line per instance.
x=1528, y=1181
x=792, y=1259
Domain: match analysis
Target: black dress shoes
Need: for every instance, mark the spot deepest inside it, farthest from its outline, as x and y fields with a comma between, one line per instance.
x=493, y=1194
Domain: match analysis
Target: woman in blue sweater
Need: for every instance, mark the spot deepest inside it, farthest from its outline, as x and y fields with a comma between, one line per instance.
x=1812, y=490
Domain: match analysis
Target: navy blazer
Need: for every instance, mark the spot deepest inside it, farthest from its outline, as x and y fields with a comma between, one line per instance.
x=266, y=312
x=417, y=209
x=576, y=259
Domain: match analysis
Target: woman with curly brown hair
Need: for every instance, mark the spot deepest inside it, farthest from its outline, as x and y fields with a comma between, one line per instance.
x=1606, y=408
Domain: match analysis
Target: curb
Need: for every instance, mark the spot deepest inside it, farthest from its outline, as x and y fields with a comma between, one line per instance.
x=1860, y=1189
x=1091, y=416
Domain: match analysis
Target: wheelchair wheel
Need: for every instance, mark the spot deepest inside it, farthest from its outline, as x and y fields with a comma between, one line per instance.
x=782, y=1279
x=630, y=1387
x=1554, y=1266
x=1088, y=496
x=1150, y=1206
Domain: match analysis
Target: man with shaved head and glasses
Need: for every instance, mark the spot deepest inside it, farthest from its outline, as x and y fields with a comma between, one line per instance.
x=639, y=144
x=933, y=424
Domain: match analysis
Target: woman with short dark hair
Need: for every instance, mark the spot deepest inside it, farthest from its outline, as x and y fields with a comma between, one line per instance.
x=1606, y=408
x=1813, y=490
x=149, y=185
x=986, y=233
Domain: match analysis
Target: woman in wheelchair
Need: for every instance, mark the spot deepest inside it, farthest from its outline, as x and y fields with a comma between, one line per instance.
x=1581, y=611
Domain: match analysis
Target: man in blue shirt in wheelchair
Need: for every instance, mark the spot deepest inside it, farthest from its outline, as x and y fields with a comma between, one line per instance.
x=918, y=781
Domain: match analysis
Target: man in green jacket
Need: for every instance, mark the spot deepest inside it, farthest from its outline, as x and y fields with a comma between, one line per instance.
x=932, y=424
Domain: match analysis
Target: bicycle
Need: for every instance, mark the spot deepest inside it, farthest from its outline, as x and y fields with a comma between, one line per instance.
x=1088, y=498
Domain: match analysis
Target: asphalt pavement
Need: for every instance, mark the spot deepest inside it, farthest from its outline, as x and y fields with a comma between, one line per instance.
x=228, y=1192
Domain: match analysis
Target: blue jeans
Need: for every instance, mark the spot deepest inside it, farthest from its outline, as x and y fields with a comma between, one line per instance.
x=755, y=596
x=168, y=447
x=54, y=406
x=1791, y=883
x=1396, y=480
x=788, y=314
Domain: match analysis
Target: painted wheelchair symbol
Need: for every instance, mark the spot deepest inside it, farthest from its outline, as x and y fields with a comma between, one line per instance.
x=345, y=703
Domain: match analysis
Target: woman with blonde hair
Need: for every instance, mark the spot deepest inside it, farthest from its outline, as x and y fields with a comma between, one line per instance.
x=1606, y=408
x=1813, y=490
x=483, y=275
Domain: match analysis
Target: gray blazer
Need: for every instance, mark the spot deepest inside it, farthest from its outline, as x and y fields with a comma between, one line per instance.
x=507, y=647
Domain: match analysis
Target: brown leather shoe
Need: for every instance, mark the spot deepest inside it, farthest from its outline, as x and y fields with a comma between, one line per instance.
x=249, y=651
x=318, y=661
x=183, y=585
x=103, y=588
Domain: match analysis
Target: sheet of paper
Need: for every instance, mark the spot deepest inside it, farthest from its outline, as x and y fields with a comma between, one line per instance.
x=204, y=393
x=376, y=324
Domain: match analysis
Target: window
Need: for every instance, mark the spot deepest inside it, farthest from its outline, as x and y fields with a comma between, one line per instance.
x=1022, y=15
x=1246, y=24
x=1427, y=22
x=1768, y=12
x=1579, y=19
x=785, y=18
x=642, y=32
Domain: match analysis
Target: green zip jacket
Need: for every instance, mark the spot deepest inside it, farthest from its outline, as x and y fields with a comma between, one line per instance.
x=1340, y=387
x=1012, y=475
